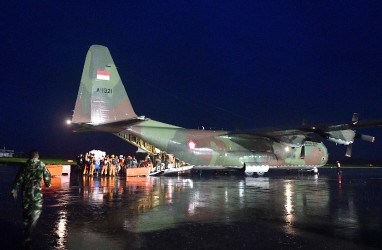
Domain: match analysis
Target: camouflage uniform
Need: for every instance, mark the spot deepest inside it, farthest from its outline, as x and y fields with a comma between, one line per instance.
x=29, y=181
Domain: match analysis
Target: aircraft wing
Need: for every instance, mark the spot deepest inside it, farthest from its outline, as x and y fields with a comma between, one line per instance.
x=295, y=137
x=306, y=130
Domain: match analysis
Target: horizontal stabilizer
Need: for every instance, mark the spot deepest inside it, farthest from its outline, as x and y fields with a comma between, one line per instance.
x=112, y=127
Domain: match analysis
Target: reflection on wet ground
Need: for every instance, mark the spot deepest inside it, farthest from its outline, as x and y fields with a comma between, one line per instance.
x=279, y=210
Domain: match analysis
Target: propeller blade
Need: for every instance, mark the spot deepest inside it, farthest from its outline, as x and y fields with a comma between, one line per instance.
x=349, y=150
x=355, y=118
x=368, y=138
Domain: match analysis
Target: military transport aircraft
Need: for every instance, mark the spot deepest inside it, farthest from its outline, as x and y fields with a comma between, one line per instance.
x=103, y=105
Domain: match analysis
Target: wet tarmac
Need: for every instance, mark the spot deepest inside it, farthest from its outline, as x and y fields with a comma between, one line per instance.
x=282, y=210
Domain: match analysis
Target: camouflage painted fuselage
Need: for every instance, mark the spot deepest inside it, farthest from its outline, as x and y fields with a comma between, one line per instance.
x=217, y=149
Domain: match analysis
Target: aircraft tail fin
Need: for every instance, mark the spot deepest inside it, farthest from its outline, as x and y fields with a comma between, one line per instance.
x=101, y=98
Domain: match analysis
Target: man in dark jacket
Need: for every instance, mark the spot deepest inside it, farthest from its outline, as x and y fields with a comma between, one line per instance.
x=28, y=180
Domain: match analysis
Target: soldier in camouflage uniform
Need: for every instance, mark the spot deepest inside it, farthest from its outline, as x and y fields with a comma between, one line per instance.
x=29, y=181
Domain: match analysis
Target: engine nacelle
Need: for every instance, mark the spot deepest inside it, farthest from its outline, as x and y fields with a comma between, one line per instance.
x=343, y=137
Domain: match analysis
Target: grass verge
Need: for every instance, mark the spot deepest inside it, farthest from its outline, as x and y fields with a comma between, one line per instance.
x=17, y=160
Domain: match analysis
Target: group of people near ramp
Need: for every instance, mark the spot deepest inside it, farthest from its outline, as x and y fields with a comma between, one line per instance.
x=105, y=165
x=98, y=163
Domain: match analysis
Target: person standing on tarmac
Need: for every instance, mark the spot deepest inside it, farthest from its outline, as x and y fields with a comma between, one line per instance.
x=80, y=162
x=28, y=180
x=121, y=163
x=134, y=162
x=338, y=167
x=87, y=164
x=128, y=162
x=113, y=165
x=92, y=164
x=105, y=165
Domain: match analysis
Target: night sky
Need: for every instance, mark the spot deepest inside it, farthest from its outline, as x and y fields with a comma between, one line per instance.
x=218, y=64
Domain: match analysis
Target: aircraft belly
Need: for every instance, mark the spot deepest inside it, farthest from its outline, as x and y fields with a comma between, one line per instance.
x=216, y=167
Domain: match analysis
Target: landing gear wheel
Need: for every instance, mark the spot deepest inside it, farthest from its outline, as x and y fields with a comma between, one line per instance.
x=260, y=173
x=249, y=174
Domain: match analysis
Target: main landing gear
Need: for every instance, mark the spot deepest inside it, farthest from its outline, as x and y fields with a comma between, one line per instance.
x=250, y=174
x=312, y=171
x=250, y=169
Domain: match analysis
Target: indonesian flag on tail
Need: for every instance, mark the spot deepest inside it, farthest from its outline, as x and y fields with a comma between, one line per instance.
x=103, y=75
